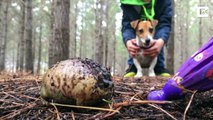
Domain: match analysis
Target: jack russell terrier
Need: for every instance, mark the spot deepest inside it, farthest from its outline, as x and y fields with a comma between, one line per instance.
x=144, y=39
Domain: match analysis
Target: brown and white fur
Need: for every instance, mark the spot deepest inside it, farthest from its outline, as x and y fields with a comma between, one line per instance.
x=144, y=39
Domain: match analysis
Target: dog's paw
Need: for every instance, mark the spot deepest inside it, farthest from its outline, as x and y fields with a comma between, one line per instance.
x=138, y=75
x=152, y=75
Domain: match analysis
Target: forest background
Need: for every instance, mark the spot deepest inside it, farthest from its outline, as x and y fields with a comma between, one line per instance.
x=35, y=34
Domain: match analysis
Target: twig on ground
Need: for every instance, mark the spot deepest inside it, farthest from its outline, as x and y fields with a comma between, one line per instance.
x=33, y=98
x=131, y=99
x=159, y=108
x=73, y=116
x=126, y=103
x=17, y=112
x=10, y=107
x=20, y=79
x=56, y=110
x=125, y=93
x=6, y=101
x=184, y=115
x=111, y=114
x=13, y=96
x=48, y=118
x=139, y=92
x=96, y=116
x=85, y=107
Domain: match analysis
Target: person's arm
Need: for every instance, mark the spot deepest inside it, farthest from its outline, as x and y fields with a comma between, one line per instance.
x=128, y=33
x=164, y=22
x=129, y=14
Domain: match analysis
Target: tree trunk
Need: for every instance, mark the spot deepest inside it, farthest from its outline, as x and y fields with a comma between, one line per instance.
x=39, y=51
x=51, y=45
x=171, y=46
x=200, y=28
x=182, y=32
x=73, y=28
x=22, y=44
x=1, y=4
x=34, y=48
x=1, y=29
x=14, y=61
x=18, y=54
x=75, y=33
x=28, y=37
x=106, y=32
x=81, y=46
x=178, y=37
x=4, y=41
x=82, y=32
x=61, y=30
x=99, y=35
x=186, y=31
x=114, y=47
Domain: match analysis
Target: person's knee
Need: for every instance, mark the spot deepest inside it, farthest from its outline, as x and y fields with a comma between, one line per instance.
x=160, y=60
x=130, y=61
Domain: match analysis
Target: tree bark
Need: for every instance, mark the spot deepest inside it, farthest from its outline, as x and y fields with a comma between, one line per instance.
x=81, y=46
x=34, y=35
x=99, y=35
x=73, y=28
x=39, y=51
x=106, y=32
x=51, y=45
x=22, y=44
x=114, y=47
x=171, y=45
x=1, y=37
x=82, y=31
x=4, y=41
x=200, y=28
x=186, y=31
x=1, y=4
x=28, y=37
x=61, y=30
x=75, y=32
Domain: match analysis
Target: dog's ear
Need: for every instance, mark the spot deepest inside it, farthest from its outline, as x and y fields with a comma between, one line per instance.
x=134, y=23
x=154, y=23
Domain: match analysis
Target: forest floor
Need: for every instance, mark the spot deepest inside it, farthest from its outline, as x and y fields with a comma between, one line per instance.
x=20, y=99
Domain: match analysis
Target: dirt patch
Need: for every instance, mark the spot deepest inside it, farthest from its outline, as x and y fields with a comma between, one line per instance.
x=20, y=99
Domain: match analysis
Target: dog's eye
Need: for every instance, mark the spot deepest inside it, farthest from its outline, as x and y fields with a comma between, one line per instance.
x=151, y=30
x=141, y=31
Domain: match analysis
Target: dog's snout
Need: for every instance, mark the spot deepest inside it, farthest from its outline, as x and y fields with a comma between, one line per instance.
x=147, y=41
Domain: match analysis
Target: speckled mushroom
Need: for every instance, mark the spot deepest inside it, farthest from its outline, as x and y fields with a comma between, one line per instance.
x=77, y=81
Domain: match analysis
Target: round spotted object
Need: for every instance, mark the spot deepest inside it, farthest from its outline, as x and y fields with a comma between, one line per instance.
x=77, y=81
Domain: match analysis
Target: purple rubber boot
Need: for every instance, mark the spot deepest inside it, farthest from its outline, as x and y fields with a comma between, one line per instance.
x=170, y=91
x=196, y=73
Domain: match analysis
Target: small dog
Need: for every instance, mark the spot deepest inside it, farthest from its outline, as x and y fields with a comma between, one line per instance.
x=144, y=39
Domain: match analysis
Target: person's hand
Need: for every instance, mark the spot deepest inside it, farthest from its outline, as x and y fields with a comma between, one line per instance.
x=132, y=48
x=155, y=49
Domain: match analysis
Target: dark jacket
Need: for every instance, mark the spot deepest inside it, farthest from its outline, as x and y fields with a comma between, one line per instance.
x=163, y=13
